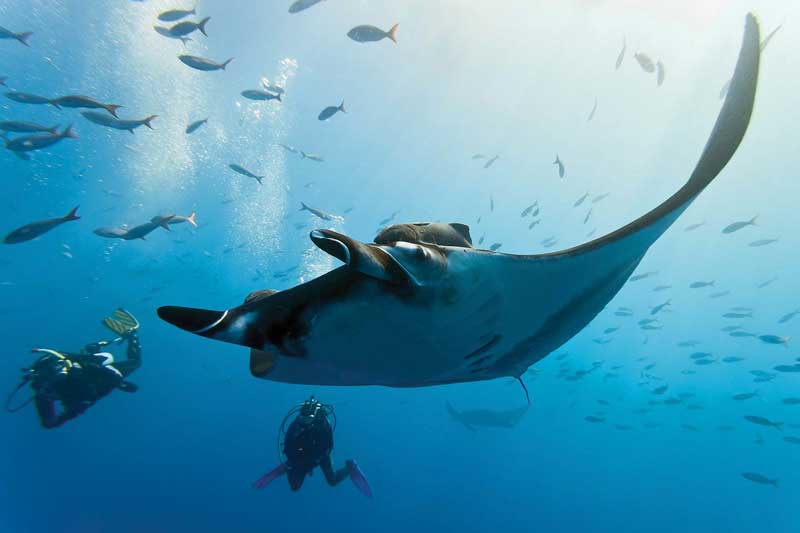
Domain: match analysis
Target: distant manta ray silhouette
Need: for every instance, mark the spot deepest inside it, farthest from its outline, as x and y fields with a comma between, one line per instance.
x=427, y=312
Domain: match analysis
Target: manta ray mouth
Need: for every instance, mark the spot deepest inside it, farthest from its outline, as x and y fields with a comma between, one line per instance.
x=200, y=321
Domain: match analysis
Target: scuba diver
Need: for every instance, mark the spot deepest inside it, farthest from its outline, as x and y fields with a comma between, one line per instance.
x=308, y=443
x=78, y=380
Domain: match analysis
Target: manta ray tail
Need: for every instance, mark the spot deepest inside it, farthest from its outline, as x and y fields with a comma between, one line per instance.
x=524, y=388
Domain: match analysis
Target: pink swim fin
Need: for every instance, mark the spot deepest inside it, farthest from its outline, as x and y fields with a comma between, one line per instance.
x=269, y=477
x=360, y=481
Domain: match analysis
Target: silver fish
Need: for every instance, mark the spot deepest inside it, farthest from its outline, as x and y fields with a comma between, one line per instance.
x=329, y=111
x=256, y=94
x=83, y=102
x=37, y=142
x=186, y=27
x=621, y=55
x=660, y=73
x=761, y=242
x=35, y=229
x=25, y=127
x=645, y=62
x=560, y=166
x=27, y=98
x=367, y=33
x=176, y=14
x=300, y=5
x=312, y=157
x=201, y=63
x=117, y=124
x=194, y=126
x=736, y=226
x=320, y=213
x=244, y=172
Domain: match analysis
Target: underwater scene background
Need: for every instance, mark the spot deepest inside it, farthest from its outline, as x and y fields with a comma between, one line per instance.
x=626, y=431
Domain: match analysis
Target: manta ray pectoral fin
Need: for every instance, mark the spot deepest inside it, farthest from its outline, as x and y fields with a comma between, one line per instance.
x=368, y=259
x=230, y=325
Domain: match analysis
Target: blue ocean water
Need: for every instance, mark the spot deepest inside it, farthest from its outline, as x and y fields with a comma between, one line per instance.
x=515, y=79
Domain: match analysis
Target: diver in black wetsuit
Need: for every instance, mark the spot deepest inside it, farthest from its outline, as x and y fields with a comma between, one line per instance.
x=308, y=443
x=78, y=380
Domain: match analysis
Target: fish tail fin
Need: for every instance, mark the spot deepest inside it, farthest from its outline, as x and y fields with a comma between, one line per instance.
x=23, y=37
x=73, y=214
x=202, y=26
x=753, y=220
x=341, y=107
x=302, y=154
x=279, y=98
x=192, y=219
x=392, y=33
x=225, y=64
x=258, y=179
x=164, y=222
x=112, y=108
x=185, y=40
x=54, y=129
x=147, y=121
x=69, y=133
x=303, y=207
x=557, y=161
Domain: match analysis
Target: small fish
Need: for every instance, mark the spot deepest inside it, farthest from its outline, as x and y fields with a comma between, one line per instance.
x=525, y=212
x=37, y=142
x=496, y=246
x=35, y=229
x=259, y=95
x=661, y=390
x=650, y=327
x=791, y=440
x=788, y=316
x=788, y=368
x=643, y=275
x=478, y=156
x=592, y=112
x=600, y=197
x=645, y=62
x=732, y=359
x=244, y=172
x=25, y=127
x=761, y=242
x=580, y=200
x=301, y=5
x=186, y=27
x=758, y=478
x=660, y=73
x=329, y=111
x=774, y=339
x=601, y=341
x=26, y=98
x=491, y=203
x=115, y=123
x=694, y=226
x=201, y=63
x=367, y=33
x=730, y=328
x=21, y=37
x=594, y=419
x=737, y=315
x=560, y=166
x=591, y=233
x=288, y=148
x=741, y=334
x=744, y=396
x=623, y=313
x=700, y=355
x=176, y=219
x=790, y=401
x=588, y=215
x=645, y=321
x=659, y=307
x=321, y=214
x=491, y=161
x=704, y=362
x=688, y=344
x=736, y=226
x=701, y=284
x=83, y=102
x=659, y=288
x=312, y=157
x=176, y=14
x=609, y=331
x=761, y=421
x=767, y=283
x=194, y=126
x=621, y=55
x=719, y=294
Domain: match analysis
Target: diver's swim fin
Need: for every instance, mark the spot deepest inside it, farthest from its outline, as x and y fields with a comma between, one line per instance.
x=269, y=477
x=360, y=481
x=121, y=322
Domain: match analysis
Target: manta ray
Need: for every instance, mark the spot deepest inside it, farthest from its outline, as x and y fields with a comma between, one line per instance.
x=421, y=306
